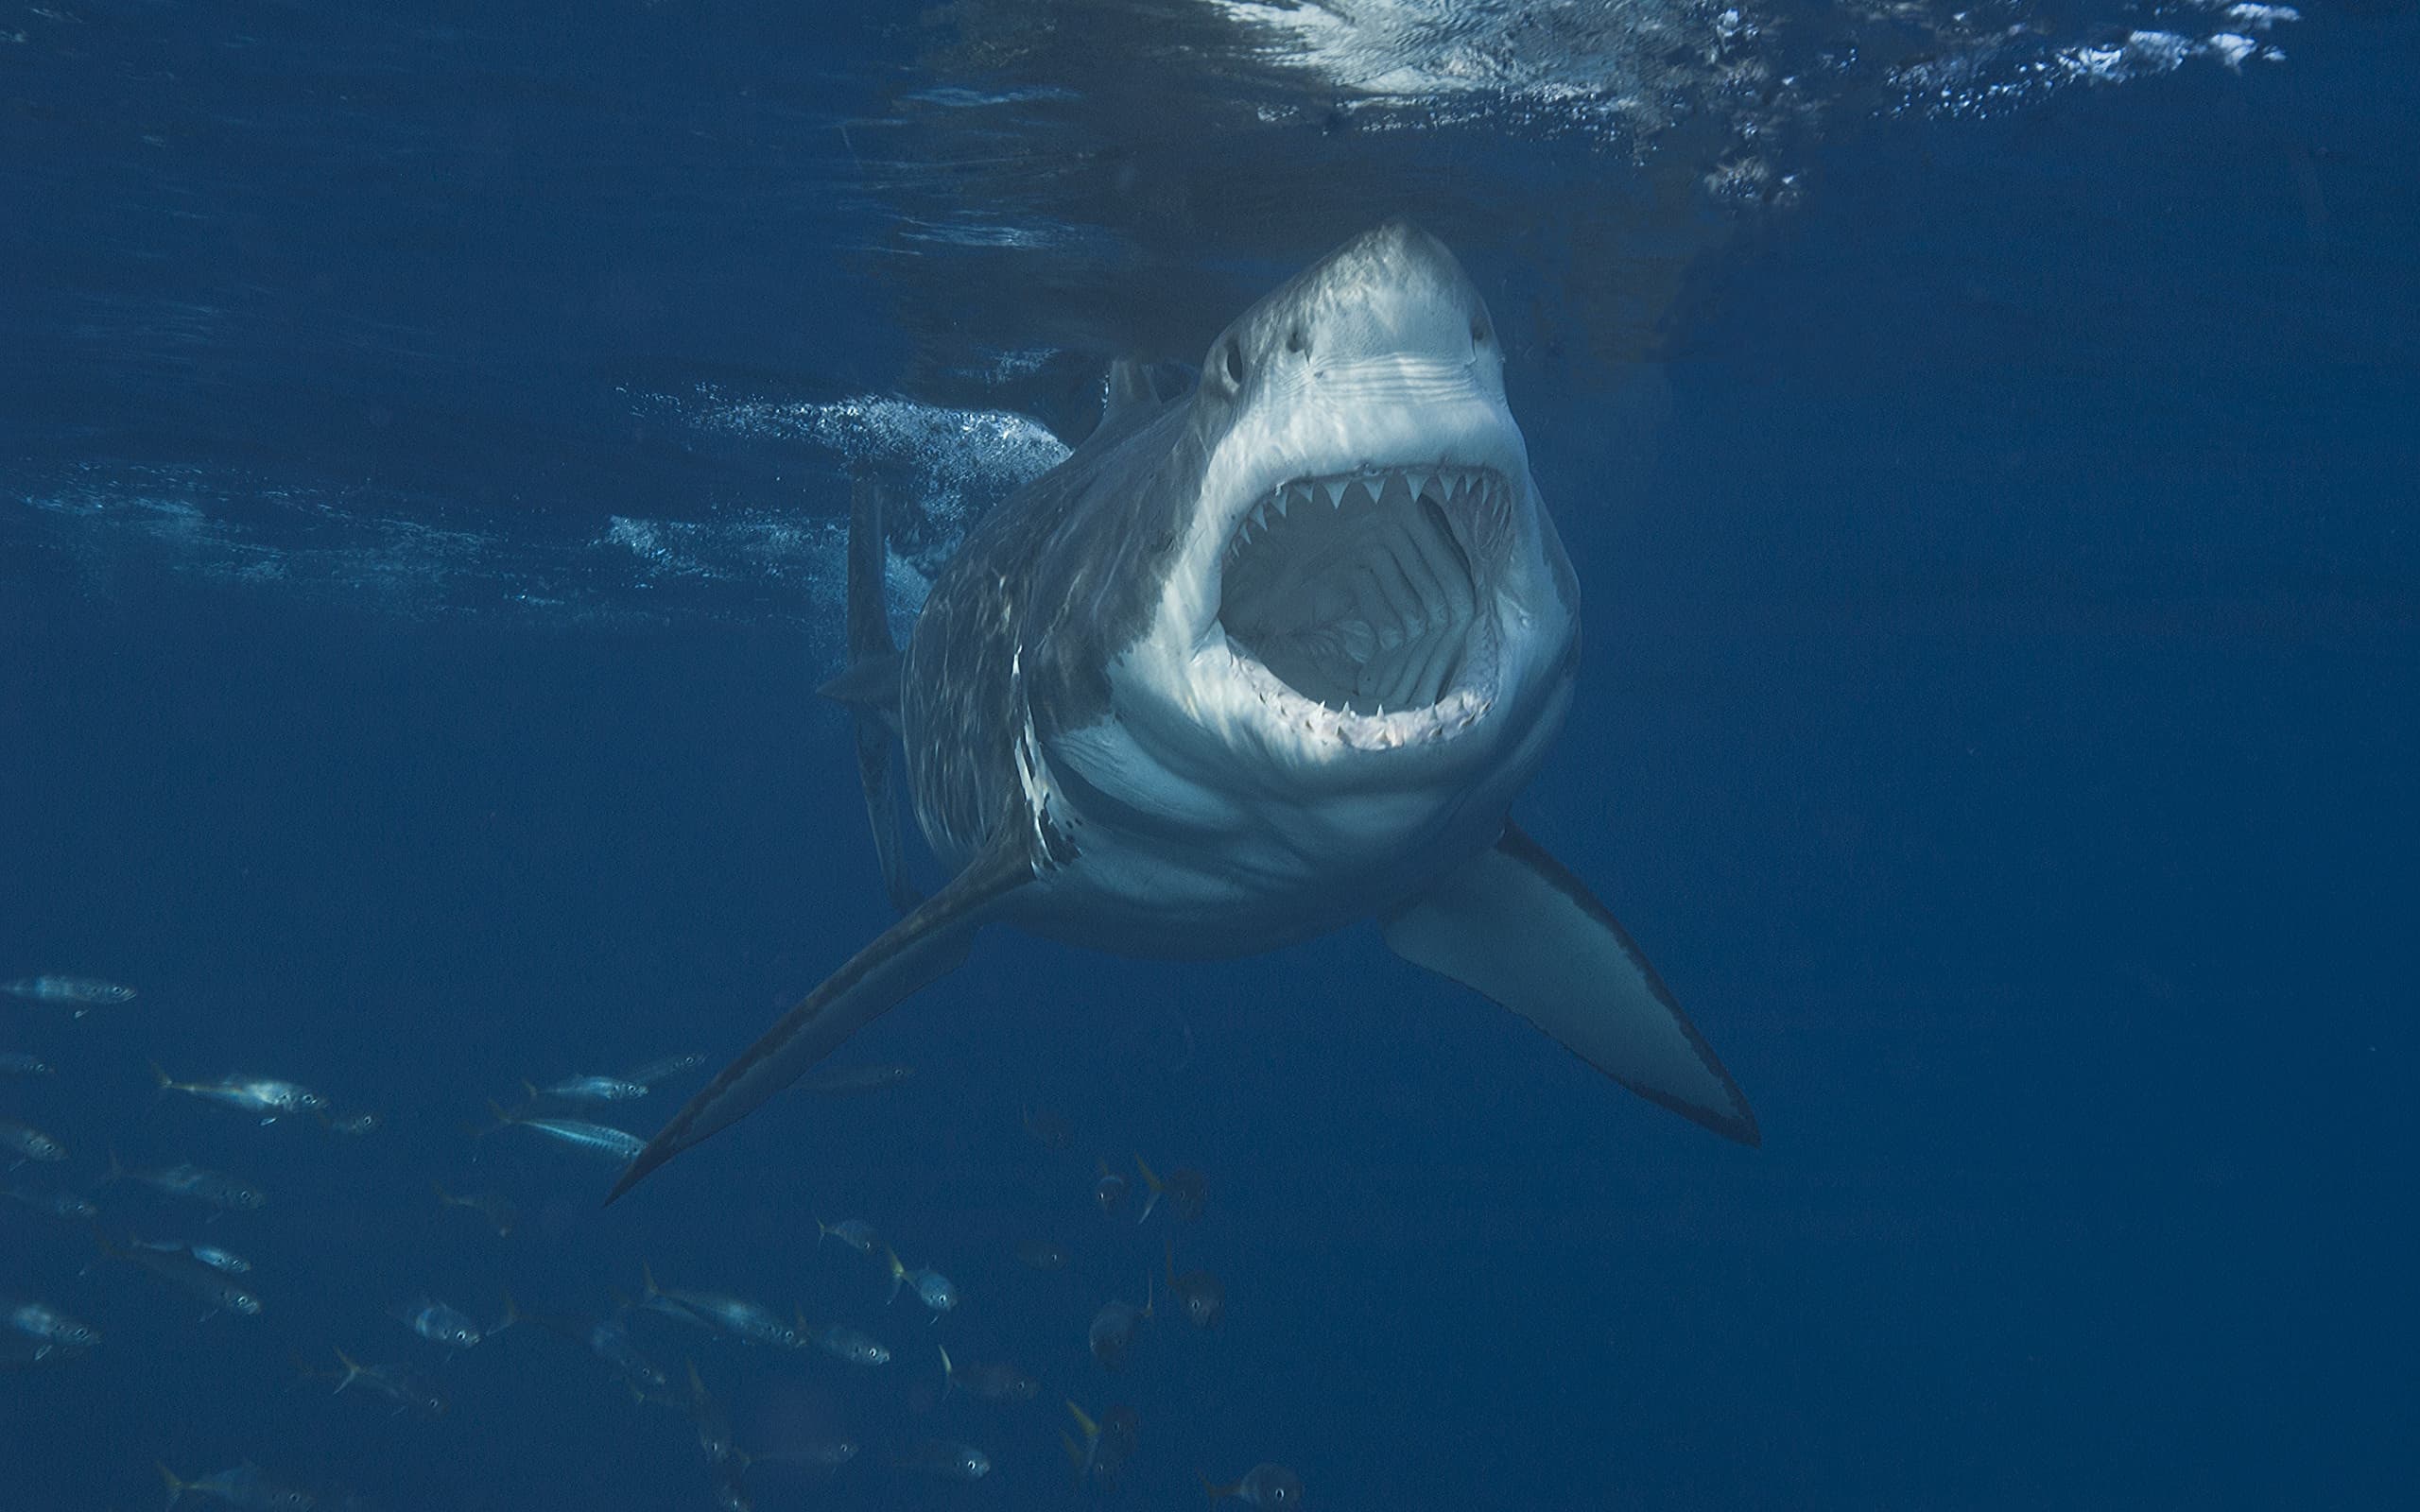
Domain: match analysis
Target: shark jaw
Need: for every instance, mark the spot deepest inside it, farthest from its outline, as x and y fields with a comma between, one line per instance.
x=1352, y=604
x=1360, y=639
x=1366, y=571
x=1365, y=567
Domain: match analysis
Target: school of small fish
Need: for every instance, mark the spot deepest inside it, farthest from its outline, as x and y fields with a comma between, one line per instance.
x=618, y=1342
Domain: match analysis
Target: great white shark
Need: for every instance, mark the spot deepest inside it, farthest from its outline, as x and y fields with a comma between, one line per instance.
x=1259, y=659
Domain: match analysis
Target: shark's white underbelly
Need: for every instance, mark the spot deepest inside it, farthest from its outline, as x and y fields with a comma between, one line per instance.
x=1168, y=865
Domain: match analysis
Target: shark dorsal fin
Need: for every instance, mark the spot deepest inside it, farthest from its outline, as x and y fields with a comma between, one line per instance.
x=870, y=686
x=1138, y=390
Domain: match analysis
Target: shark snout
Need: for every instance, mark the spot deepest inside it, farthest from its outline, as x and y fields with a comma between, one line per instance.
x=1393, y=295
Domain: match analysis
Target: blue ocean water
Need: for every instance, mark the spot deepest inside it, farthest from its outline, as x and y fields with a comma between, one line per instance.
x=424, y=444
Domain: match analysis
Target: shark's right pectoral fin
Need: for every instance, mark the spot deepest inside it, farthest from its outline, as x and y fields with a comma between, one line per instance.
x=1518, y=927
x=928, y=944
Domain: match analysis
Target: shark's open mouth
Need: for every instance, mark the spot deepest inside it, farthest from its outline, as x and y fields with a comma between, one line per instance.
x=1362, y=591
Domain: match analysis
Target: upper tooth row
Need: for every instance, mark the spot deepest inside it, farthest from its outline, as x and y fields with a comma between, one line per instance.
x=1333, y=490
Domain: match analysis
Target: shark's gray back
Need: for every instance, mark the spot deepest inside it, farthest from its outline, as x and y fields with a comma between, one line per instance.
x=1025, y=621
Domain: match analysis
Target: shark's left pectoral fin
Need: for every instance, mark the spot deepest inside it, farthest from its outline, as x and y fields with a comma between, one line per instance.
x=1516, y=925
x=928, y=944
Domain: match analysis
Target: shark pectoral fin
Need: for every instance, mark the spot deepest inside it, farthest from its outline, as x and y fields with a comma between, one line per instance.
x=928, y=944
x=1516, y=926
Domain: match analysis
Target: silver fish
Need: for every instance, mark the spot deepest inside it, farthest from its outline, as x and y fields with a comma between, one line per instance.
x=734, y=1317
x=408, y=1390
x=83, y=993
x=665, y=1070
x=57, y=1204
x=265, y=1096
x=18, y=1063
x=224, y=1261
x=610, y=1341
x=46, y=1325
x=1114, y=1329
x=217, y=1259
x=1183, y=1187
x=823, y=1451
x=501, y=1214
x=1263, y=1486
x=998, y=1382
x=948, y=1461
x=244, y=1486
x=1110, y=1190
x=1108, y=1444
x=843, y=1343
x=440, y=1323
x=854, y=1232
x=1041, y=1254
x=1051, y=1130
x=933, y=1289
x=186, y=1274
x=28, y=1142
x=710, y=1420
x=185, y=1179
x=597, y=1139
x=731, y=1492
x=591, y=1089
x=1197, y=1292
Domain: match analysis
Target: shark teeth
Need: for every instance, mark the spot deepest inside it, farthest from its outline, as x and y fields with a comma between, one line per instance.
x=1326, y=723
x=1480, y=495
x=1377, y=603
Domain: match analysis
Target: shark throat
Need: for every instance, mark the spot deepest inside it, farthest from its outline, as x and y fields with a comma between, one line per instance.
x=1362, y=591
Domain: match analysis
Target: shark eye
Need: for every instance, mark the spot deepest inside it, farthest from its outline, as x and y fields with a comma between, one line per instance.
x=1478, y=332
x=1294, y=342
x=1234, y=365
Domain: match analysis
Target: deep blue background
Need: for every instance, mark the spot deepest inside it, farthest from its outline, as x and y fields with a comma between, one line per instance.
x=1998, y=724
